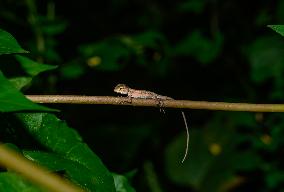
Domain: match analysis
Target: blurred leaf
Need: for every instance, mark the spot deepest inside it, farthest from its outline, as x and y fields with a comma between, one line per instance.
x=12, y=182
x=248, y=161
x=200, y=47
x=151, y=50
x=211, y=150
x=72, y=70
x=196, y=6
x=263, y=18
x=151, y=177
x=275, y=178
x=122, y=183
x=119, y=146
x=31, y=67
x=244, y=120
x=148, y=48
x=266, y=59
x=111, y=53
x=52, y=28
x=280, y=12
x=276, y=122
x=51, y=54
x=151, y=39
x=66, y=142
x=20, y=82
x=8, y=44
x=278, y=28
x=74, y=170
x=50, y=25
x=13, y=100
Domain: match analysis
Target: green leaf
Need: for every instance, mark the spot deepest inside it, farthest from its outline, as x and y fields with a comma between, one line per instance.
x=12, y=100
x=20, y=82
x=31, y=67
x=278, y=28
x=66, y=142
x=8, y=44
x=73, y=170
x=122, y=183
x=12, y=182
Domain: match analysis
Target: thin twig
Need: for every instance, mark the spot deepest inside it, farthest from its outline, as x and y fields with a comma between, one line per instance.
x=181, y=104
x=16, y=162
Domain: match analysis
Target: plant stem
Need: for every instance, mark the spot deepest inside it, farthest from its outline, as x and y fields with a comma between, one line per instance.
x=35, y=24
x=16, y=162
x=181, y=104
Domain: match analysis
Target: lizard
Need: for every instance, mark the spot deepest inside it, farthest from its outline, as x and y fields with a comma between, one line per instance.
x=143, y=94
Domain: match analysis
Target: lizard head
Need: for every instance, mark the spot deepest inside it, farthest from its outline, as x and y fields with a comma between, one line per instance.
x=122, y=89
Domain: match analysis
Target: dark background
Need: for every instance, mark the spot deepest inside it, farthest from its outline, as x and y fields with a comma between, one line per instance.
x=213, y=50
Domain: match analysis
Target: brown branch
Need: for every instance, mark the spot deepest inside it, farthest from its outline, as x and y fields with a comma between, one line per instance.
x=181, y=104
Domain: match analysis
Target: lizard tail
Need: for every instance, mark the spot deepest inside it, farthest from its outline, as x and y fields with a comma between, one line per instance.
x=187, y=137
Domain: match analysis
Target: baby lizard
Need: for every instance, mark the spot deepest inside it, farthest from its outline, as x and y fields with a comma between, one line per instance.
x=143, y=94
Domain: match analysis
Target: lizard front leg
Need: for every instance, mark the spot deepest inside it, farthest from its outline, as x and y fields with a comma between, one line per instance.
x=129, y=100
x=160, y=104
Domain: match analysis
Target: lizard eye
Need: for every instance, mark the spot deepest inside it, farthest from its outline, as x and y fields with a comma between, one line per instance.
x=121, y=88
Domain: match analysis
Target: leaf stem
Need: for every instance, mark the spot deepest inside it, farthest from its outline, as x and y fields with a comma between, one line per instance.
x=181, y=104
